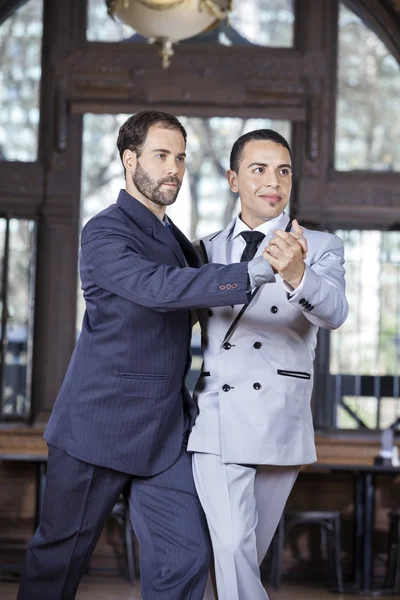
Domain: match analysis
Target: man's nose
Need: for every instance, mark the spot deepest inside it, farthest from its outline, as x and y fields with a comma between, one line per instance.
x=271, y=179
x=172, y=167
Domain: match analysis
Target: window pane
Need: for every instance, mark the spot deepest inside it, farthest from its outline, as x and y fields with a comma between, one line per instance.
x=20, y=72
x=365, y=351
x=205, y=203
x=252, y=22
x=365, y=408
x=390, y=409
x=260, y=22
x=103, y=28
x=19, y=295
x=368, y=125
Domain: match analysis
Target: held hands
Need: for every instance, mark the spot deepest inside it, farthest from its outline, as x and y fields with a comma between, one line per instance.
x=286, y=253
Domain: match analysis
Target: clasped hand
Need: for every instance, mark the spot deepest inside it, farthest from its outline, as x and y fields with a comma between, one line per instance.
x=286, y=252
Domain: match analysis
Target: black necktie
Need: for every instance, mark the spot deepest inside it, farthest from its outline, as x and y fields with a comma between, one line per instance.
x=253, y=239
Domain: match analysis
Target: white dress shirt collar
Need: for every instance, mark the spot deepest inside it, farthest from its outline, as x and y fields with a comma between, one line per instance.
x=264, y=228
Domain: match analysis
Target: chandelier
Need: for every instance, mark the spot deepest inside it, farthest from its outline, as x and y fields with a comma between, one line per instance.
x=165, y=22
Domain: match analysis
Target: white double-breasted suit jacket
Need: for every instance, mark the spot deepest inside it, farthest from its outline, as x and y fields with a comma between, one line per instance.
x=254, y=392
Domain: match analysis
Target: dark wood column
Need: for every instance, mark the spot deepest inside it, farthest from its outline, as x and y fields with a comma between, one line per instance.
x=57, y=251
x=313, y=140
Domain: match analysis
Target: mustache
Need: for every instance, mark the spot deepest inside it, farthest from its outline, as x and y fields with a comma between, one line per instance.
x=169, y=180
x=269, y=192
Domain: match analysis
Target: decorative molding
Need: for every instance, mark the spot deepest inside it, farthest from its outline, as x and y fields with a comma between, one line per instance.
x=21, y=188
x=359, y=192
x=21, y=179
x=267, y=78
x=313, y=139
x=61, y=120
x=359, y=200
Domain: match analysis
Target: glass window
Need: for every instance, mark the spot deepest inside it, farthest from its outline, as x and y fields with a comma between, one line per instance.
x=259, y=22
x=252, y=22
x=365, y=351
x=368, y=104
x=17, y=259
x=20, y=72
x=101, y=27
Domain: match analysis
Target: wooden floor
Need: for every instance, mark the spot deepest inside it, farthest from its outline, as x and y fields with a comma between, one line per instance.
x=109, y=588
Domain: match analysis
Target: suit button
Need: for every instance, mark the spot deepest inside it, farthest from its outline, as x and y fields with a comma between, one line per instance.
x=222, y=287
x=257, y=345
x=226, y=387
x=234, y=286
x=227, y=346
x=257, y=386
x=274, y=309
x=311, y=307
x=302, y=301
x=210, y=313
x=228, y=286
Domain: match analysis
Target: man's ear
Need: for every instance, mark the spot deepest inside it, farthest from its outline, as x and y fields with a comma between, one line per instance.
x=129, y=160
x=232, y=180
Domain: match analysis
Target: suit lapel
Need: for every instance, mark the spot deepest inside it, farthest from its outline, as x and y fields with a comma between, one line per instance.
x=217, y=245
x=161, y=233
x=189, y=252
x=148, y=222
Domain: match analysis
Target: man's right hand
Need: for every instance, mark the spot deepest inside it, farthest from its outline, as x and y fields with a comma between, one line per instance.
x=297, y=233
x=286, y=252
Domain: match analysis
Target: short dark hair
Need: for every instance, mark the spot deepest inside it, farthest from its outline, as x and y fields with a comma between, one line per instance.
x=257, y=134
x=132, y=134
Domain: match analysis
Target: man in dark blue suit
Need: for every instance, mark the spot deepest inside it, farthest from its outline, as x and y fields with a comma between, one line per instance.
x=121, y=419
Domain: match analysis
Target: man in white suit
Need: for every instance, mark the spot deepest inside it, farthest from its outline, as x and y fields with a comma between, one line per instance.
x=254, y=427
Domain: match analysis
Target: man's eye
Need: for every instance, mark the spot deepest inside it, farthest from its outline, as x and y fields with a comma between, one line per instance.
x=160, y=155
x=285, y=171
x=259, y=170
x=181, y=159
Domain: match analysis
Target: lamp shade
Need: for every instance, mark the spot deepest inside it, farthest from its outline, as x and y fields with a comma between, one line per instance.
x=160, y=4
x=178, y=21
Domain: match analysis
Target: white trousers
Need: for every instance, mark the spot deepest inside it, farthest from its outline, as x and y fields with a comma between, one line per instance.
x=243, y=506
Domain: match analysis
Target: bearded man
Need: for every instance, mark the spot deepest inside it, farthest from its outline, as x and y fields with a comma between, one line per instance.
x=121, y=419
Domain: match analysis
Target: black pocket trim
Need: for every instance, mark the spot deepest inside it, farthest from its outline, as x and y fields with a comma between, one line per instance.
x=296, y=374
x=205, y=374
x=144, y=376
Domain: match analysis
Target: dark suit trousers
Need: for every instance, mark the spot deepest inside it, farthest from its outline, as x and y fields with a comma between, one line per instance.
x=165, y=513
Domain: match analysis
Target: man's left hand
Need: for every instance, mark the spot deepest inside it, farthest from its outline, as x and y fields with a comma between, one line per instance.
x=285, y=255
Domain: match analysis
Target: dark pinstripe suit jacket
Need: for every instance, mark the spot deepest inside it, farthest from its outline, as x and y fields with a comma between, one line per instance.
x=122, y=401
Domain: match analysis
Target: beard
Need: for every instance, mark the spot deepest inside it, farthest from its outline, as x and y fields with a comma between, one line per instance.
x=152, y=189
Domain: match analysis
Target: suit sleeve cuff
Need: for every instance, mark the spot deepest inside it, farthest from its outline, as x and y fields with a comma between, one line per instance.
x=292, y=294
x=260, y=272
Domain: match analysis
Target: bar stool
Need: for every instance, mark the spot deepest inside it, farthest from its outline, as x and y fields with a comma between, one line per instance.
x=329, y=523
x=392, y=579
